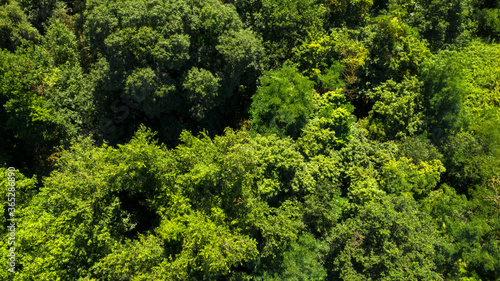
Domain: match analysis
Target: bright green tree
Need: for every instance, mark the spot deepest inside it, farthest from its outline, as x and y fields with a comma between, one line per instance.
x=329, y=125
x=361, y=162
x=404, y=177
x=283, y=103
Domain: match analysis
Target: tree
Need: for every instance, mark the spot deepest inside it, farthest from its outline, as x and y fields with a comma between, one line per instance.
x=392, y=240
x=14, y=26
x=403, y=177
x=38, y=12
x=202, y=89
x=361, y=162
x=396, y=48
x=29, y=128
x=282, y=24
x=158, y=54
x=470, y=228
x=61, y=42
x=441, y=23
x=444, y=92
x=300, y=260
x=329, y=125
x=489, y=22
x=397, y=110
x=461, y=111
x=348, y=12
x=320, y=54
x=44, y=106
x=200, y=211
x=283, y=103
x=418, y=149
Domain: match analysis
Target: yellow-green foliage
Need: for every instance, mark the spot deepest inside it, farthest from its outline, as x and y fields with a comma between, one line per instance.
x=404, y=176
x=320, y=50
x=329, y=126
x=481, y=71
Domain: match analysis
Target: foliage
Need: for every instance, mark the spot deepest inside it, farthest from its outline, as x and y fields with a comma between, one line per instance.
x=392, y=240
x=202, y=88
x=462, y=112
x=299, y=261
x=444, y=92
x=361, y=162
x=210, y=204
x=283, y=103
x=479, y=64
x=28, y=126
x=19, y=190
x=320, y=52
x=45, y=106
x=328, y=126
x=282, y=24
x=22, y=185
x=348, y=12
x=14, y=26
x=404, y=177
x=153, y=50
x=396, y=49
x=489, y=22
x=296, y=139
x=397, y=110
x=418, y=149
x=470, y=228
x=38, y=12
x=61, y=42
x=441, y=23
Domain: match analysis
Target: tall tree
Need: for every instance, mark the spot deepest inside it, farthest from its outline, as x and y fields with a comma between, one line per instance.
x=172, y=64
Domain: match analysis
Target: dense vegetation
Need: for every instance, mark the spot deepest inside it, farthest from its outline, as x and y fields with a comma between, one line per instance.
x=251, y=139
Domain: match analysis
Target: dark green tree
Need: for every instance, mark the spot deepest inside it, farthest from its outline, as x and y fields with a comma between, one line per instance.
x=39, y=12
x=489, y=20
x=441, y=23
x=347, y=12
x=283, y=24
x=155, y=57
x=395, y=47
x=43, y=106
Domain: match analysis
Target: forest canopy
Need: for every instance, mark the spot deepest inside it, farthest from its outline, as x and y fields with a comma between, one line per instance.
x=250, y=140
